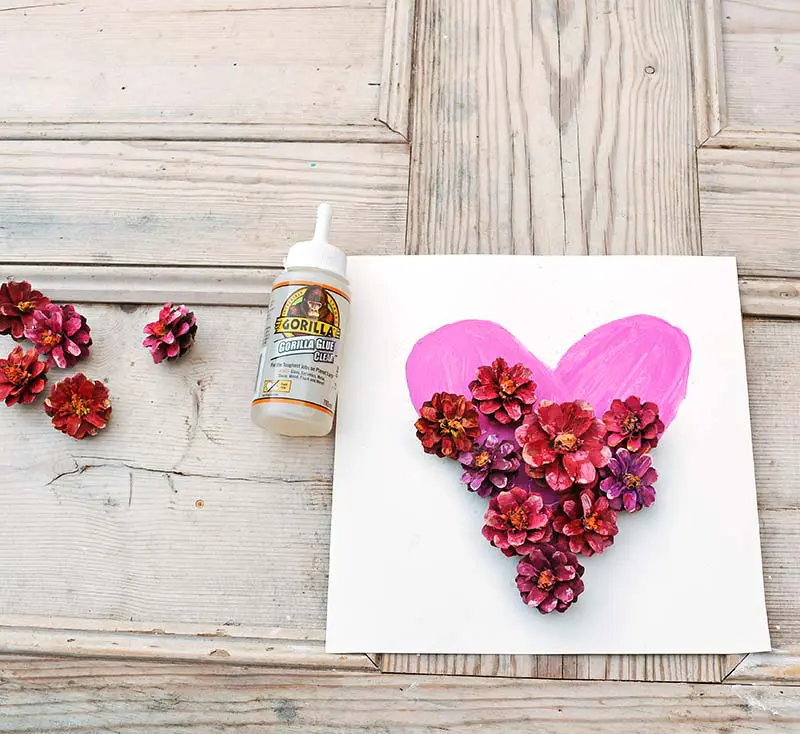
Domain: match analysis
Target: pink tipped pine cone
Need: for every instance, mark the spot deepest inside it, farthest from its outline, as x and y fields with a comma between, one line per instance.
x=172, y=335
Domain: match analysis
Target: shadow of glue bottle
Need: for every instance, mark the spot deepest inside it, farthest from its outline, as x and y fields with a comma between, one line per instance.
x=298, y=368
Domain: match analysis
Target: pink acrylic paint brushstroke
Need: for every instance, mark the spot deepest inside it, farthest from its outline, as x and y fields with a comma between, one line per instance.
x=638, y=355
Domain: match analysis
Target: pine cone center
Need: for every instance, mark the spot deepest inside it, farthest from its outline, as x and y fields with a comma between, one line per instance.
x=508, y=386
x=565, y=442
x=517, y=518
x=631, y=423
x=451, y=426
x=16, y=375
x=25, y=306
x=482, y=459
x=50, y=339
x=79, y=406
x=590, y=523
x=546, y=580
x=632, y=481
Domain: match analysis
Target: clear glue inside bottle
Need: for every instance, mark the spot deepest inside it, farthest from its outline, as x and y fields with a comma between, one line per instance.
x=298, y=370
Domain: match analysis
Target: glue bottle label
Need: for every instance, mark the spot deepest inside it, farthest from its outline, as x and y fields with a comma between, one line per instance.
x=302, y=342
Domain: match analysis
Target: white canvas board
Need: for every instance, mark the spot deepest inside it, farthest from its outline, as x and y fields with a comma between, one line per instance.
x=410, y=571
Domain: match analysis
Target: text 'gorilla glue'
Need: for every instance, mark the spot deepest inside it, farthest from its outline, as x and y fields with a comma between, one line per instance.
x=298, y=369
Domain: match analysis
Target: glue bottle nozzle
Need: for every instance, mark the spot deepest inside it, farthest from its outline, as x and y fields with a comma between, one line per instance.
x=322, y=230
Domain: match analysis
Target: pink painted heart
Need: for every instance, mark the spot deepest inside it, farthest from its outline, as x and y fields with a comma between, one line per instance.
x=638, y=355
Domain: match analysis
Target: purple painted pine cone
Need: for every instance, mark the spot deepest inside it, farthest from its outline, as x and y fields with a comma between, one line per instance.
x=488, y=465
x=629, y=485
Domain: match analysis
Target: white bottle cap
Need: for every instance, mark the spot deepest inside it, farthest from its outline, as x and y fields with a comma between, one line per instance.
x=318, y=253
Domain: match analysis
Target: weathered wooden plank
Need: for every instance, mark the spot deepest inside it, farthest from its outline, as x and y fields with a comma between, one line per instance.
x=486, y=172
x=754, y=140
x=770, y=297
x=256, y=132
x=667, y=668
x=708, y=74
x=59, y=696
x=250, y=286
x=195, y=203
x=778, y=666
x=612, y=172
x=272, y=62
x=115, y=541
x=774, y=383
x=626, y=116
x=750, y=207
x=198, y=286
x=761, y=40
x=398, y=46
x=217, y=646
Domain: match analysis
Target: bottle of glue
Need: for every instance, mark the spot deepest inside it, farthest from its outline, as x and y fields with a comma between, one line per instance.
x=298, y=369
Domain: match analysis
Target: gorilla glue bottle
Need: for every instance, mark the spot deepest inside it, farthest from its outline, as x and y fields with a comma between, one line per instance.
x=298, y=369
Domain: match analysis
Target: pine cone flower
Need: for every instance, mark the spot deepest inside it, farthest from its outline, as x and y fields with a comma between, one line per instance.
x=587, y=521
x=549, y=579
x=503, y=393
x=22, y=376
x=447, y=425
x=488, y=464
x=629, y=485
x=516, y=521
x=60, y=334
x=78, y=406
x=633, y=425
x=18, y=301
x=172, y=335
x=564, y=444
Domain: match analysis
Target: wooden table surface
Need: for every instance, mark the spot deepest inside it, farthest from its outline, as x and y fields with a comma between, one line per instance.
x=171, y=573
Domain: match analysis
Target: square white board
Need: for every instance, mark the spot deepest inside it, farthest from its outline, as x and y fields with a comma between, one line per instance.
x=410, y=571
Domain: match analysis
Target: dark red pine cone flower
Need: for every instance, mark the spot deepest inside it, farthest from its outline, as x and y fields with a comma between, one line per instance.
x=18, y=301
x=60, y=334
x=564, y=444
x=549, y=579
x=516, y=520
x=504, y=393
x=587, y=521
x=172, y=335
x=447, y=425
x=78, y=406
x=633, y=425
x=22, y=376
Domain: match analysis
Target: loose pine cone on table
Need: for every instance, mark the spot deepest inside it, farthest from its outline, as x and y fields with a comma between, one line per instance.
x=18, y=302
x=60, y=334
x=22, y=376
x=78, y=406
x=172, y=335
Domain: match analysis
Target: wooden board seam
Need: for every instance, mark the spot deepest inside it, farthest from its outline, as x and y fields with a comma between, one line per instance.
x=394, y=108
x=753, y=139
x=234, y=132
x=776, y=666
x=707, y=68
x=734, y=668
x=708, y=668
x=158, y=645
